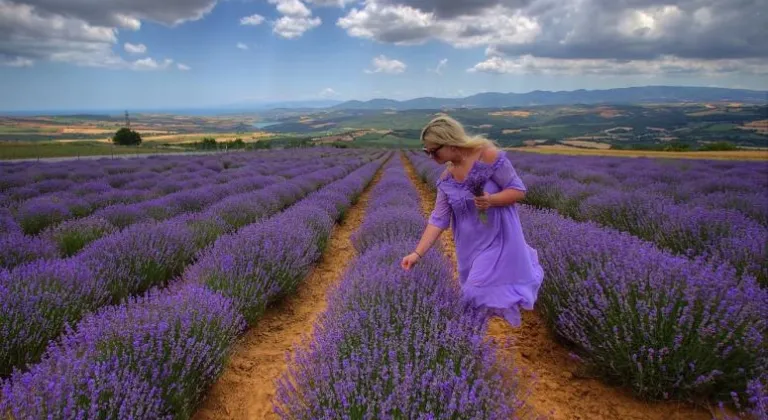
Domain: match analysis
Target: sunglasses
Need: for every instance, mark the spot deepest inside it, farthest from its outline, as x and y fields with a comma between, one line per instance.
x=431, y=152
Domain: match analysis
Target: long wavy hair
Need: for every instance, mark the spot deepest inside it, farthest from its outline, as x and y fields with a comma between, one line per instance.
x=446, y=131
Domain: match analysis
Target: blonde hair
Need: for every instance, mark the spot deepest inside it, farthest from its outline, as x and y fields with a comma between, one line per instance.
x=446, y=131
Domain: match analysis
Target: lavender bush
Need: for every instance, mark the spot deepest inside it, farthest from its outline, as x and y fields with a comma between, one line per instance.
x=36, y=300
x=666, y=326
x=73, y=235
x=142, y=256
x=17, y=248
x=150, y=357
x=255, y=265
x=37, y=214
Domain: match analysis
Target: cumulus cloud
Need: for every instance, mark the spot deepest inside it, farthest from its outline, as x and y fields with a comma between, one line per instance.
x=252, y=20
x=331, y=3
x=404, y=24
x=151, y=64
x=328, y=93
x=125, y=13
x=135, y=48
x=296, y=20
x=84, y=32
x=702, y=35
x=183, y=67
x=242, y=46
x=382, y=64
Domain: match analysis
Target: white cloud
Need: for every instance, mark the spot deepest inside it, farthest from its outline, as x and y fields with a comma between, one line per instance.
x=84, y=32
x=406, y=25
x=296, y=20
x=292, y=27
x=124, y=13
x=252, y=20
x=440, y=66
x=331, y=3
x=705, y=36
x=242, y=46
x=328, y=93
x=668, y=65
x=293, y=8
x=183, y=67
x=151, y=64
x=382, y=64
x=135, y=48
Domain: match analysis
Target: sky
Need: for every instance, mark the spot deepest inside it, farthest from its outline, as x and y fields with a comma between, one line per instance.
x=155, y=54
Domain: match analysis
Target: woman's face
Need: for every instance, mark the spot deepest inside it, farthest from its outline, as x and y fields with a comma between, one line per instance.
x=437, y=152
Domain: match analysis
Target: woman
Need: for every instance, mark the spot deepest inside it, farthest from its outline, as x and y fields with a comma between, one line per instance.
x=498, y=271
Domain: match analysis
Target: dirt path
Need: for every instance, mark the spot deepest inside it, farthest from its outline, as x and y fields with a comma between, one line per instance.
x=558, y=390
x=247, y=386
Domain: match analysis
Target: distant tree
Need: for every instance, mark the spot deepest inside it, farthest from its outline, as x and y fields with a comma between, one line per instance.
x=719, y=146
x=208, y=143
x=126, y=137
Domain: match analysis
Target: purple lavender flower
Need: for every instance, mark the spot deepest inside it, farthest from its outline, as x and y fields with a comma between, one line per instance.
x=8, y=223
x=36, y=300
x=150, y=357
x=17, y=248
x=386, y=225
x=643, y=316
x=36, y=214
x=475, y=182
x=142, y=256
x=73, y=235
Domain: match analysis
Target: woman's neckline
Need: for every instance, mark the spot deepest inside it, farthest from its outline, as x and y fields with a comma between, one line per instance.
x=473, y=166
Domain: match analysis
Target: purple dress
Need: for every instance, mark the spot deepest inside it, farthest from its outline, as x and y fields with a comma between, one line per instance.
x=497, y=268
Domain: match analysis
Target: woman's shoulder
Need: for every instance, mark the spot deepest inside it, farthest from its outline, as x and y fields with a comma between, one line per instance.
x=491, y=155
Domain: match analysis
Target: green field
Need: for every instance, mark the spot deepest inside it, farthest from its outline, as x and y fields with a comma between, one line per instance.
x=674, y=127
x=22, y=150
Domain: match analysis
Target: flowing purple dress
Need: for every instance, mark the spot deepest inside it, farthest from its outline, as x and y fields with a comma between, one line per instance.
x=497, y=268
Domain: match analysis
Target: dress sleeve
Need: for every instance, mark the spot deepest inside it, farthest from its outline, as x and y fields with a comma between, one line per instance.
x=505, y=176
x=441, y=214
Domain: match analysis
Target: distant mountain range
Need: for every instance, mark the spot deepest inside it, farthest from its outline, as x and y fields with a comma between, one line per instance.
x=647, y=94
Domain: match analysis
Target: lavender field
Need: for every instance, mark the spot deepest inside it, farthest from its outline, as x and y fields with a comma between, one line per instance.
x=656, y=271
x=126, y=285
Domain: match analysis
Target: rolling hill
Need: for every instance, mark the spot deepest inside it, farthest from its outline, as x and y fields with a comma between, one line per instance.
x=632, y=95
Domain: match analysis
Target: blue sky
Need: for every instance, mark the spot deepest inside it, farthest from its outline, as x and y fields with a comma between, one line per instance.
x=116, y=54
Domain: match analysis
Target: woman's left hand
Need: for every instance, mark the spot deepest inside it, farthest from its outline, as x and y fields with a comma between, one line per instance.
x=483, y=202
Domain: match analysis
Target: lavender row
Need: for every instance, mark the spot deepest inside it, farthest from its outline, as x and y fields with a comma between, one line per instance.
x=695, y=175
x=263, y=261
x=396, y=344
x=738, y=186
x=154, y=356
x=719, y=234
x=39, y=298
x=664, y=325
x=26, y=174
x=71, y=236
x=36, y=214
x=82, y=178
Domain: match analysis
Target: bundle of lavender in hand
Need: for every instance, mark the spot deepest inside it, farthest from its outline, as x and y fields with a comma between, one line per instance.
x=476, y=184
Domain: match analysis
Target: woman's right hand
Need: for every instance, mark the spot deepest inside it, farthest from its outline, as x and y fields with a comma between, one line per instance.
x=409, y=260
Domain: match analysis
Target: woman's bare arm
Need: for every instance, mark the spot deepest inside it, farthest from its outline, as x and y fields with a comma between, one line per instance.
x=428, y=238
